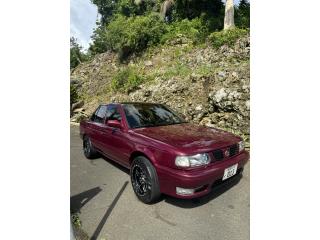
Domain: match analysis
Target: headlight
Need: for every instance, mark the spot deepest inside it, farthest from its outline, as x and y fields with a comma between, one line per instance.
x=241, y=146
x=192, y=161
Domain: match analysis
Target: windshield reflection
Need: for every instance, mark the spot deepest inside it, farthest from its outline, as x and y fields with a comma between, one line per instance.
x=150, y=115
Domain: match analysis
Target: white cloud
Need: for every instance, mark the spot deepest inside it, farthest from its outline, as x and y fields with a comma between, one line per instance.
x=83, y=16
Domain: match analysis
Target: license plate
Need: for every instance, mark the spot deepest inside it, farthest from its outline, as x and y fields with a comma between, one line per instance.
x=230, y=171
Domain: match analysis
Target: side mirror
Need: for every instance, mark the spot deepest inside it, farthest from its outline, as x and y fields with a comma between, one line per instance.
x=114, y=124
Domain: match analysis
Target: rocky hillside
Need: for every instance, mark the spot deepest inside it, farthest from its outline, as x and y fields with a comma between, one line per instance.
x=209, y=86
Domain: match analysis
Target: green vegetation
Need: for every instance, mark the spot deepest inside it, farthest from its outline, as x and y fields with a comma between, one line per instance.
x=76, y=56
x=242, y=14
x=177, y=70
x=127, y=35
x=227, y=37
x=211, y=11
x=126, y=79
x=130, y=27
x=109, y=8
x=75, y=220
x=195, y=30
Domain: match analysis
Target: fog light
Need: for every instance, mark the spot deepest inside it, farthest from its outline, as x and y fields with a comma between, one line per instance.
x=184, y=191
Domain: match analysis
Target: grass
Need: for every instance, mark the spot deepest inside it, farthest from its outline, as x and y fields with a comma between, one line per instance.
x=226, y=37
x=126, y=79
x=177, y=70
x=75, y=220
x=205, y=70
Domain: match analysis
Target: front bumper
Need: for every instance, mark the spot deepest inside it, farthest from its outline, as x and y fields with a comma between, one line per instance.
x=201, y=179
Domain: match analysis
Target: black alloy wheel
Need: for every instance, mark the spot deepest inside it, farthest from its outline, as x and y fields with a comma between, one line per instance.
x=88, y=149
x=142, y=184
x=144, y=180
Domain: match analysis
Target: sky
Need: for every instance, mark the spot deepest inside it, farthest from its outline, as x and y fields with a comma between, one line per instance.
x=83, y=17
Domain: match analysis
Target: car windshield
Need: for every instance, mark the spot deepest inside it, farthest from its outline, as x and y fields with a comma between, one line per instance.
x=141, y=115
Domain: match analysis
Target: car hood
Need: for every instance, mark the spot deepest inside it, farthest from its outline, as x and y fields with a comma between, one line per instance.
x=189, y=136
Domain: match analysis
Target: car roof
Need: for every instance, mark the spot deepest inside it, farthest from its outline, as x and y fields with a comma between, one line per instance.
x=145, y=103
x=128, y=103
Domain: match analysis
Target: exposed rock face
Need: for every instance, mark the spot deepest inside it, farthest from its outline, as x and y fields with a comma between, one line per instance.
x=77, y=105
x=211, y=87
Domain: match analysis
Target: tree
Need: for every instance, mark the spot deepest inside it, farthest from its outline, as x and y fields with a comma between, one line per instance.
x=229, y=15
x=106, y=8
x=242, y=14
x=166, y=8
x=76, y=56
x=99, y=43
x=109, y=8
x=211, y=11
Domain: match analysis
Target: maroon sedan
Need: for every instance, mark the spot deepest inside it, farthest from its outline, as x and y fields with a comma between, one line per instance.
x=165, y=154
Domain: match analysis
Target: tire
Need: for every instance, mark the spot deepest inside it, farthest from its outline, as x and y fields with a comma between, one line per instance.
x=88, y=149
x=144, y=180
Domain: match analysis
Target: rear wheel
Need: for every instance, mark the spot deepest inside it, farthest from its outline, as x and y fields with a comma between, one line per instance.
x=88, y=149
x=144, y=180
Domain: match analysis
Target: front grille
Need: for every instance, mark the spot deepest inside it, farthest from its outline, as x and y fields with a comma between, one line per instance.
x=234, y=149
x=218, y=154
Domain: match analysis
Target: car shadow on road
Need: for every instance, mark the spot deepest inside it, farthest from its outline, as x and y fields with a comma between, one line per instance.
x=216, y=192
x=81, y=199
x=116, y=165
x=108, y=212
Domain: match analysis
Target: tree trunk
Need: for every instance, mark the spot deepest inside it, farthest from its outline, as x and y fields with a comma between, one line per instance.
x=166, y=7
x=229, y=15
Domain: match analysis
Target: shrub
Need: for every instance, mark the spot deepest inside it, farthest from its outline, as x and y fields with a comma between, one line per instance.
x=227, y=37
x=127, y=35
x=126, y=79
x=194, y=29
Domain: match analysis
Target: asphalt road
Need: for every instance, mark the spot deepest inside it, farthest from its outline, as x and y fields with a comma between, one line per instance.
x=102, y=194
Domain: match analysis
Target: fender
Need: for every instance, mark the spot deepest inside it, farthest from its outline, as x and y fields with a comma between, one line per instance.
x=145, y=151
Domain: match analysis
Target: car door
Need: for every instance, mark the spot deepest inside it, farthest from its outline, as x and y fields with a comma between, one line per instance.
x=115, y=142
x=97, y=121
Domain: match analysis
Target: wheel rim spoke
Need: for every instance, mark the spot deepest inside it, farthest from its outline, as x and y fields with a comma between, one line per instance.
x=140, y=181
x=86, y=147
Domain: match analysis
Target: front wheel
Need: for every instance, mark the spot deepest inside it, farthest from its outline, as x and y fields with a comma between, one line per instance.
x=88, y=149
x=144, y=180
